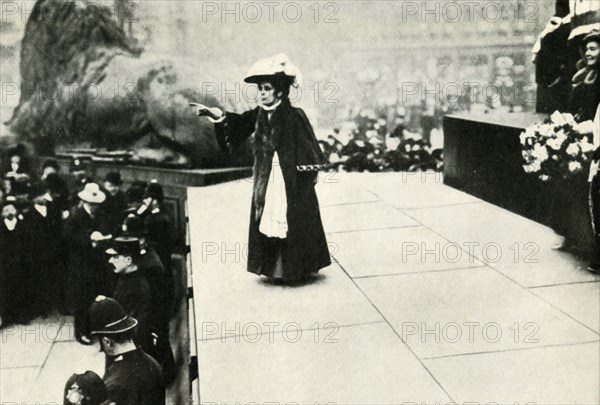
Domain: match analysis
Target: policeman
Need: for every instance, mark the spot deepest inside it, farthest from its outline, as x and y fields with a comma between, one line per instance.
x=132, y=290
x=132, y=377
x=162, y=293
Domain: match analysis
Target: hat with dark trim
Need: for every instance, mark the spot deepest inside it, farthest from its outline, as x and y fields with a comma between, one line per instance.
x=91, y=193
x=108, y=317
x=125, y=246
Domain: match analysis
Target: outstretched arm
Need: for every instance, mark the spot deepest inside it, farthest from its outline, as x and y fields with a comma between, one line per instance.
x=231, y=129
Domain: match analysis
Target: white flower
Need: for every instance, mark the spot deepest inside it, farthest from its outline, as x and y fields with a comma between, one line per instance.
x=546, y=130
x=531, y=168
x=573, y=149
x=540, y=153
x=557, y=118
x=523, y=137
x=574, y=167
x=586, y=146
x=569, y=119
x=555, y=143
x=530, y=131
x=544, y=177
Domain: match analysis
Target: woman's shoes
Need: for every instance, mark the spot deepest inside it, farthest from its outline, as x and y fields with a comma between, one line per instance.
x=292, y=282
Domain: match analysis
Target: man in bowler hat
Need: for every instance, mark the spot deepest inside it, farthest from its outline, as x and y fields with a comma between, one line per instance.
x=131, y=376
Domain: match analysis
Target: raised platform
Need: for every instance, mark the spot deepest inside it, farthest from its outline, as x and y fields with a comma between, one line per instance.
x=364, y=331
x=482, y=157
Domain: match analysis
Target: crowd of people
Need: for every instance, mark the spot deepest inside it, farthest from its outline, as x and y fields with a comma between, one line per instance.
x=74, y=246
x=370, y=143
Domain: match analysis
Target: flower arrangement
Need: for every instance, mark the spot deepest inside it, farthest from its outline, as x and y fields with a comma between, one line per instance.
x=553, y=150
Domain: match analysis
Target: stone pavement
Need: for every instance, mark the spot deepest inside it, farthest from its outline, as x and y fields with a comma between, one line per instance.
x=36, y=360
x=434, y=296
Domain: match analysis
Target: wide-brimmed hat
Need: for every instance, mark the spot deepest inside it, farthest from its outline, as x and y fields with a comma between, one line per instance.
x=92, y=194
x=125, y=246
x=276, y=67
x=594, y=35
x=108, y=317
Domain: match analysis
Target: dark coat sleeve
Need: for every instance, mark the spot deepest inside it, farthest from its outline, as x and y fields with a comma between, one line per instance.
x=236, y=128
x=308, y=150
x=309, y=156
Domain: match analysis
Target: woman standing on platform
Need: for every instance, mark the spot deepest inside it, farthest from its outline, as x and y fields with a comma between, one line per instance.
x=569, y=217
x=585, y=94
x=286, y=238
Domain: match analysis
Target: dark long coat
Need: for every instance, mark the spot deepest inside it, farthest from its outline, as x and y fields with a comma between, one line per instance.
x=14, y=305
x=159, y=233
x=88, y=266
x=43, y=256
x=290, y=134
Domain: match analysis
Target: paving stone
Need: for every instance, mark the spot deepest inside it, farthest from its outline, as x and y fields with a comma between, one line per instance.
x=564, y=375
x=367, y=365
x=397, y=251
x=469, y=311
x=581, y=301
x=520, y=248
x=358, y=217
